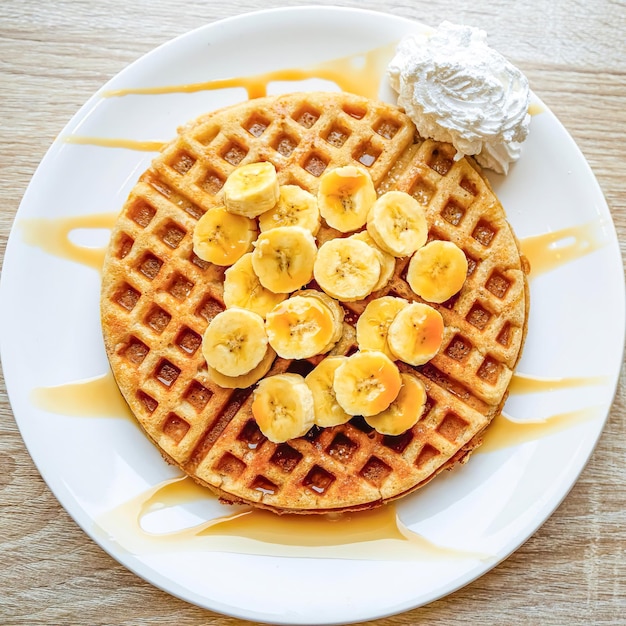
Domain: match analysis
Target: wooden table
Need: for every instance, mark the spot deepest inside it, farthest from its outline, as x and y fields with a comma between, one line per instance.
x=56, y=54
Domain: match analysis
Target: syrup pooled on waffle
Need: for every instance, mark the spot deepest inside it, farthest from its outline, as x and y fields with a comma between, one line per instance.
x=158, y=297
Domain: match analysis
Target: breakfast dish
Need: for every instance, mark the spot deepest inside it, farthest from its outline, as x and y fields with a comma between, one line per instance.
x=159, y=297
x=96, y=460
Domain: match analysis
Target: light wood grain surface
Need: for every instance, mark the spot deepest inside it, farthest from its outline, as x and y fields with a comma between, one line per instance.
x=54, y=55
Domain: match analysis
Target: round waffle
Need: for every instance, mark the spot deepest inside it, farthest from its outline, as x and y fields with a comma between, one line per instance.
x=158, y=298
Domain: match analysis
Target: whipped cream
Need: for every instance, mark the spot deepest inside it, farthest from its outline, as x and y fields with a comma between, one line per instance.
x=457, y=89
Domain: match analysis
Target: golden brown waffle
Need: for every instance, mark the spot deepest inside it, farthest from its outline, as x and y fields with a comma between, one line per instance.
x=158, y=297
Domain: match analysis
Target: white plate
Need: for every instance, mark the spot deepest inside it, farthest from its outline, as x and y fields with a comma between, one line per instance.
x=51, y=336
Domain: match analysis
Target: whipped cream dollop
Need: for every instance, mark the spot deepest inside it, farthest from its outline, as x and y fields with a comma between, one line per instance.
x=457, y=89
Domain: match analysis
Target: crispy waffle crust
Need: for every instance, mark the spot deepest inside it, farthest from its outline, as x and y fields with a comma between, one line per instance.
x=158, y=297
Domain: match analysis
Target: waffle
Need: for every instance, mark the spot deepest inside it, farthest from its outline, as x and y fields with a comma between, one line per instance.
x=158, y=297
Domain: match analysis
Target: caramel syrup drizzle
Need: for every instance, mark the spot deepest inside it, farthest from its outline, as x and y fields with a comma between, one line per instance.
x=95, y=397
x=376, y=534
x=105, y=142
x=52, y=235
x=356, y=73
x=505, y=431
x=548, y=251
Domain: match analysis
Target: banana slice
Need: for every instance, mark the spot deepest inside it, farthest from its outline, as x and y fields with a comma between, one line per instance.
x=295, y=207
x=234, y=342
x=373, y=324
x=366, y=383
x=404, y=412
x=300, y=328
x=437, y=271
x=221, y=237
x=283, y=258
x=320, y=381
x=283, y=407
x=387, y=261
x=245, y=380
x=397, y=223
x=345, y=197
x=335, y=308
x=243, y=289
x=251, y=189
x=347, y=269
x=415, y=334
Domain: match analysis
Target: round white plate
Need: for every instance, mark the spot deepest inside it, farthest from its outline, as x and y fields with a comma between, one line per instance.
x=50, y=328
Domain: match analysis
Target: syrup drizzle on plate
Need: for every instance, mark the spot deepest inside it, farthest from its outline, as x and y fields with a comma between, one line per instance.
x=357, y=73
x=52, y=235
x=548, y=251
x=107, y=142
x=373, y=535
x=95, y=397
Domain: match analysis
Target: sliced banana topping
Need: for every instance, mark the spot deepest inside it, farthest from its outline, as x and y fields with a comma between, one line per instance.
x=235, y=342
x=242, y=288
x=221, y=237
x=295, y=207
x=397, y=223
x=283, y=258
x=347, y=269
x=387, y=261
x=373, y=324
x=345, y=197
x=283, y=407
x=416, y=333
x=437, y=271
x=366, y=383
x=404, y=412
x=245, y=380
x=251, y=189
x=320, y=380
x=261, y=322
x=300, y=327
